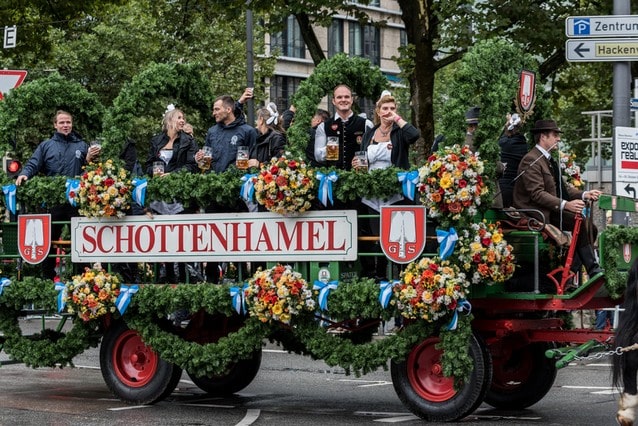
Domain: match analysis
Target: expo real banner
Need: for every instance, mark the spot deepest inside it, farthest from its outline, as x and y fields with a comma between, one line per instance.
x=316, y=236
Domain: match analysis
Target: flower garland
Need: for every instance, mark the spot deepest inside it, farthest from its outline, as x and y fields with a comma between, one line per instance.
x=92, y=294
x=570, y=169
x=484, y=254
x=278, y=294
x=104, y=191
x=451, y=184
x=285, y=186
x=430, y=289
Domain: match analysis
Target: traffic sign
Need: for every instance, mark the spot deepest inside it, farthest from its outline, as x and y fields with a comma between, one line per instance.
x=633, y=104
x=602, y=50
x=626, y=161
x=10, y=79
x=602, y=26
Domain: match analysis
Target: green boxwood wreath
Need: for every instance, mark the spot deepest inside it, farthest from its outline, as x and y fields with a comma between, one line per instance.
x=359, y=74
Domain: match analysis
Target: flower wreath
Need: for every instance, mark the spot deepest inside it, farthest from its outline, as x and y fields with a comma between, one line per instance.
x=484, y=254
x=451, y=184
x=278, y=294
x=570, y=169
x=104, y=191
x=92, y=294
x=430, y=288
x=284, y=186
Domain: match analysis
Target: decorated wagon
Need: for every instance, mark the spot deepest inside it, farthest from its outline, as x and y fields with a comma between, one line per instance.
x=480, y=322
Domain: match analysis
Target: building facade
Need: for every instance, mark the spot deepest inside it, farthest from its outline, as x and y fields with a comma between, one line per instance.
x=379, y=44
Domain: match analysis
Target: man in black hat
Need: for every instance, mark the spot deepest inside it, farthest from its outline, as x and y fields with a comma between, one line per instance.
x=541, y=187
x=472, y=121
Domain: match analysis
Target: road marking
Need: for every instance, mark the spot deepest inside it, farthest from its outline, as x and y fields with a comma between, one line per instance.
x=250, y=418
x=396, y=419
x=135, y=407
x=586, y=387
x=275, y=351
x=367, y=383
x=493, y=417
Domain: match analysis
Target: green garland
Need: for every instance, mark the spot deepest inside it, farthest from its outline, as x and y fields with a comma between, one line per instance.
x=615, y=237
x=48, y=348
x=150, y=307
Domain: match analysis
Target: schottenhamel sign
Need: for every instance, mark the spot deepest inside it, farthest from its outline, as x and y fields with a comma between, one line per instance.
x=320, y=235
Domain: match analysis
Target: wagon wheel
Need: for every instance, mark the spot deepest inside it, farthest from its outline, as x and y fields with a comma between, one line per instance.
x=237, y=377
x=421, y=386
x=132, y=370
x=207, y=328
x=522, y=377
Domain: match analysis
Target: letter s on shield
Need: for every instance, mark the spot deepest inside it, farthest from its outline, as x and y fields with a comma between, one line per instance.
x=402, y=232
x=34, y=237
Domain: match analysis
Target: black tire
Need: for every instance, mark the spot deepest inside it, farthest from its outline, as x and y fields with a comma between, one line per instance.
x=238, y=376
x=133, y=371
x=421, y=386
x=522, y=377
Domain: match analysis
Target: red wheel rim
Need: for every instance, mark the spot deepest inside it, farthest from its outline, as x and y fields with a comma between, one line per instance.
x=134, y=363
x=425, y=372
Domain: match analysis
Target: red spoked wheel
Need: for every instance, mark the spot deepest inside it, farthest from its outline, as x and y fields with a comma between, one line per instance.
x=132, y=370
x=420, y=384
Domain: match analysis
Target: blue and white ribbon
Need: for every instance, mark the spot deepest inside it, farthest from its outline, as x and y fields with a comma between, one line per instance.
x=409, y=181
x=139, y=190
x=462, y=305
x=447, y=240
x=324, y=291
x=238, y=298
x=385, y=292
x=3, y=283
x=72, y=189
x=126, y=292
x=10, y=197
x=60, y=287
x=247, y=191
x=325, y=186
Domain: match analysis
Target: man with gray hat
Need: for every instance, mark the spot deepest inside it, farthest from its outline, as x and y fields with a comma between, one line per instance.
x=472, y=121
x=541, y=187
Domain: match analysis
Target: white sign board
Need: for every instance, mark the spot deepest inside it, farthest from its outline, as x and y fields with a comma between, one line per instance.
x=329, y=235
x=10, y=37
x=626, y=161
x=602, y=50
x=602, y=26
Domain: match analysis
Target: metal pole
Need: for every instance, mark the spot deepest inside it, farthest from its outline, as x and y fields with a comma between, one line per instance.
x=250, y=113
x=622, y=91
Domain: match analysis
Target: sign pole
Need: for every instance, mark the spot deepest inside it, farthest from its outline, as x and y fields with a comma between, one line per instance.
x=622, y=89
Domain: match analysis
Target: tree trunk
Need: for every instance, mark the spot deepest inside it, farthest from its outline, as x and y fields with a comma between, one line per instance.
x=310, y=38
x=420, y=27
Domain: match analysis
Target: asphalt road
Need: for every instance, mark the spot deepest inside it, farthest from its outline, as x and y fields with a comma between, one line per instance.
x=289, y=390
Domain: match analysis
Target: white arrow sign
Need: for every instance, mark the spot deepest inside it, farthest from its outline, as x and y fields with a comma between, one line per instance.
x=10, y=79
x=602, y=26
x=602, y=50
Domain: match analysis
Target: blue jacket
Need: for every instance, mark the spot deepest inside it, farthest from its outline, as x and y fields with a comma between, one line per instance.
x=224, y=140
x=59, y=156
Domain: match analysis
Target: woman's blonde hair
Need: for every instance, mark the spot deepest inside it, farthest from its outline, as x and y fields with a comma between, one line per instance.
x=169, y=122
x=384, y=99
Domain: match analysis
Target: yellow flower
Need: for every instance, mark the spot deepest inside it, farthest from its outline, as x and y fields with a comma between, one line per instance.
x=446, y=180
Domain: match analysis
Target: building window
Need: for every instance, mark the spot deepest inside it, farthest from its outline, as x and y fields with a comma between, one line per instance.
x=403, y=38
x=289, y=41
x=364, y=41
x=281, y=90
x=335, y=37
x=376, y=3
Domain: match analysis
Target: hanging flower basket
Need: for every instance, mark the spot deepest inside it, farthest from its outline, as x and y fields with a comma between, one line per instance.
x=285, y=186
x=104, y=191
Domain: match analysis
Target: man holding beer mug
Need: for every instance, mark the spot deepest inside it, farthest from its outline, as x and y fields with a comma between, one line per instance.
x=339, y=137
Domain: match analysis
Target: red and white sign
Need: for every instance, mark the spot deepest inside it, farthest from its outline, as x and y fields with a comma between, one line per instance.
x=402, y=232
x=526, y=90
x=322, y=235
x=34, y=237
x=10, y=79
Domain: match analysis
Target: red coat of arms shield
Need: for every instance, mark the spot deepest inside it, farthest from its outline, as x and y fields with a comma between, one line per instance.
x=402, y=232
x=34, y=237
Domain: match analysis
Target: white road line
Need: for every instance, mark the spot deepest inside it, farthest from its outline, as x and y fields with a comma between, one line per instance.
x=367, y=383
x=250, y=418
x=275, y=351
x=134, y=407
x=586, y=387
x=396, y=419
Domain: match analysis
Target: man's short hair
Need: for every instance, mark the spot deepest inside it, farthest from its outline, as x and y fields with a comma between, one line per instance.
x=60, y=112
x=227, y=101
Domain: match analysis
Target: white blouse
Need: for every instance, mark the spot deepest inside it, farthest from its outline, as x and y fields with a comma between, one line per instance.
x=379, y=155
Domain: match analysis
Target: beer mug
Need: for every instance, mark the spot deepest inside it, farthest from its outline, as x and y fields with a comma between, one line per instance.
x=204, y=162
x=158, y=168
x=362, y=157
x=242, y=157
x=332, y=148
